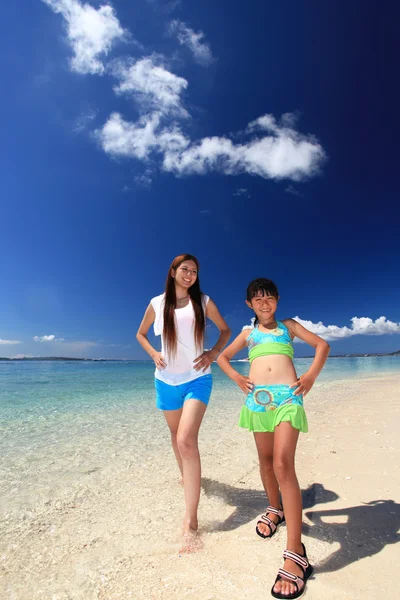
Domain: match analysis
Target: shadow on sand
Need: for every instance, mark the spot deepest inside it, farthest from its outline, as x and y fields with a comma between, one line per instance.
x=250, y=503
x=364, y=531
x=361, y=531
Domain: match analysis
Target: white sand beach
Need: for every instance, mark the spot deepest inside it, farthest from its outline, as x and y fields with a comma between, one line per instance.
x=118, y=535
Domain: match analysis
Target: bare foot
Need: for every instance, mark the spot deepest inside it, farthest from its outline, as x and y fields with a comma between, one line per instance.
x=180, y=481
x=191, y=536
x=191, y=542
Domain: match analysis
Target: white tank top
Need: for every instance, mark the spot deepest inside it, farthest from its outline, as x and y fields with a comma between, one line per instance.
x=179, y=369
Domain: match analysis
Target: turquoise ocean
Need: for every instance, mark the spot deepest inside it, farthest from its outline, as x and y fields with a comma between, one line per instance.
x=63, y=421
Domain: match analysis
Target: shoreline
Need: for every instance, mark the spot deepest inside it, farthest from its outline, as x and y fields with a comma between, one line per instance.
x=144, y=360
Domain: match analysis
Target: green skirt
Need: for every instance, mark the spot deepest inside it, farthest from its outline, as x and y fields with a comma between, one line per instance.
x=268, y=420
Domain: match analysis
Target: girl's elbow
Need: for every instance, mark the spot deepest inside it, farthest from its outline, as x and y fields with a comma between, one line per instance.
x=220, y=359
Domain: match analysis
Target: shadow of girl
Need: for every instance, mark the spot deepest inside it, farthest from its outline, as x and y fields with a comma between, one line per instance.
x=250, y=503
x=367, y=530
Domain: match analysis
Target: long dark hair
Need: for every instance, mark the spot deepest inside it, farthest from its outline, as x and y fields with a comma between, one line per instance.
x=169, y=332
x=265, y=286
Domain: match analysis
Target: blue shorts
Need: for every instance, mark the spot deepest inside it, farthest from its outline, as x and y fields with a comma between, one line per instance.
x=172, y=397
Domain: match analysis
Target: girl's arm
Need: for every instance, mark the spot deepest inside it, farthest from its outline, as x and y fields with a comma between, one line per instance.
x=322, y=348
x=245, y=384
x=204, y=360
x=141, y=336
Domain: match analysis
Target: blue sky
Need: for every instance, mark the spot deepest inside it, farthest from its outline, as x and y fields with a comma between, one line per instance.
x=262, y=139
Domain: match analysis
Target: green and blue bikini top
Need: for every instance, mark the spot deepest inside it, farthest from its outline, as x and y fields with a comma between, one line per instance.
x=278, y=341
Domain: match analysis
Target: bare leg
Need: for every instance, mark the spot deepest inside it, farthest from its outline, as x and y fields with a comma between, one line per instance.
x=173, y=418
x=187, y=441
x=265, y=449
x=284, y=452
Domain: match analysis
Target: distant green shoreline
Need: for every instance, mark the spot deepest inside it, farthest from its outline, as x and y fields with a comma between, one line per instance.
x=63, y=358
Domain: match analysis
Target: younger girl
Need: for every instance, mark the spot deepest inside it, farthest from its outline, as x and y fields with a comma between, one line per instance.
x=183, y=376
x=273, y=411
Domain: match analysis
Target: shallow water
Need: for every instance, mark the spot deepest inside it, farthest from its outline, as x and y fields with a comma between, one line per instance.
x=65, y=423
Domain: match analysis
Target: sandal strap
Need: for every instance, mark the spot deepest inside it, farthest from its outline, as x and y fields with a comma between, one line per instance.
x=298, y=581
x=268, y=522
x=265, y=519
x=297, y=558
x=274, y=511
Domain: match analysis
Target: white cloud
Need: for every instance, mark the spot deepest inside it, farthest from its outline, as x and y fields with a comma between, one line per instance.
x=284, y=153
x=268, y=148
x=44, y=338
x=9, y=342
x=194, y=41
x=63, y=347
x=151, y=84
x=251, y=324
x=90, y=32
x=290, y=189
x=121, y=138
x=145, y=179
x=242, y=192
x=359, y=326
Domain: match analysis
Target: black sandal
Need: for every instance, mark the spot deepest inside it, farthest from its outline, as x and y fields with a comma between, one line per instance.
x=267, y=521
x=299, y=582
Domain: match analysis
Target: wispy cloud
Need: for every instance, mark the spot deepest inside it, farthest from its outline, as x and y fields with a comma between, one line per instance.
x=283, y=153
x=145, y=179
x=242, y=192
x=47, y=338
x=192, y=40
x=153, y=87
x=165, y=7
x=63, y=347
x=77, y=347
x=91, y=33
x=84, y=120
x=9, y=342
x=269, y=148
x=290, y=189
x=138, y=140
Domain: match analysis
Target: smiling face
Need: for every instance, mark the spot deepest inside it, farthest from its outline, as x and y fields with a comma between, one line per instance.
x=186, y=274
x=264, y=305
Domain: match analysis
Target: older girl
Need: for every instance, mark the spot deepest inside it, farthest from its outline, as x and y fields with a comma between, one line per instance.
x=183, y=376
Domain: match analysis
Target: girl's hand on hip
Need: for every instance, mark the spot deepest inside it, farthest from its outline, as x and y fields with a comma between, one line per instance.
x=159, y=361
x=303, y=384
x=245, y=384
x=202, y=362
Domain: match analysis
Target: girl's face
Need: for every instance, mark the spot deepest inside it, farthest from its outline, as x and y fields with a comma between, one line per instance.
x=263, y=305
x=186, y=274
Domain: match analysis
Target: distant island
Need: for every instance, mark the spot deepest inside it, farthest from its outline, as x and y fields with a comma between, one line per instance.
x=397, y=353
x=66, y=358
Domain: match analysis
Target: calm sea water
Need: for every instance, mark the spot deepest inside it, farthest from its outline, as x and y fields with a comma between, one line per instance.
x=32, y=390
x=60, y=421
